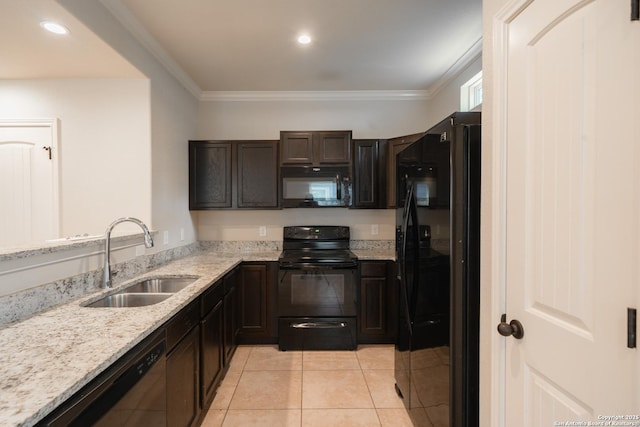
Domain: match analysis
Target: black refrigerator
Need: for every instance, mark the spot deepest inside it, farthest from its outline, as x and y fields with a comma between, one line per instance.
x=438, y=254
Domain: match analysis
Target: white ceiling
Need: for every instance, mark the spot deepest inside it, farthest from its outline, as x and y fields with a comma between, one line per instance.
x=250, y=45
x=29, y=52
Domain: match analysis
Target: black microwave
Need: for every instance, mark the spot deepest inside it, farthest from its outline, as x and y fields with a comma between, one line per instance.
x=311, y=186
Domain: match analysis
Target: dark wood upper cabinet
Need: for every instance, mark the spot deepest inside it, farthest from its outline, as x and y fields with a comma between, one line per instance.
x=258, y=174
x=210, y=174
x=296, y=148
x=333, y=147
x=369, y=180
x=233, y=174
x=315, y=147
x=395, y=146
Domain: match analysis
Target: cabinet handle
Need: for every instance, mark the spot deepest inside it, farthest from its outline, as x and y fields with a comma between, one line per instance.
x=318, y=325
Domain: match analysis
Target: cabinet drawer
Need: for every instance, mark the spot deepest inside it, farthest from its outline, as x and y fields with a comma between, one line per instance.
x=182, y=323
x=211, y=297
x=373, y=269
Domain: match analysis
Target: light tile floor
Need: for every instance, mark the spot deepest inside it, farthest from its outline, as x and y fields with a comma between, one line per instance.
x=267, y=387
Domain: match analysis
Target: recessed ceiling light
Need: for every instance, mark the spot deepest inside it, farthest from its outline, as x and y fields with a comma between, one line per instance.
x=304, y=39
x=54, y=27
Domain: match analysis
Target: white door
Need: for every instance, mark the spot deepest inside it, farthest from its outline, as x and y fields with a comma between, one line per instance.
x=572, y=210
x=28, y=182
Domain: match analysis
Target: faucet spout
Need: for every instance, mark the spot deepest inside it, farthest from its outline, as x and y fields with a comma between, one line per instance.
x=148, y=242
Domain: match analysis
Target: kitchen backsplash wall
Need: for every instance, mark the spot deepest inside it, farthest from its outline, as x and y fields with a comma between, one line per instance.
x=235, y=225
x=22, y=304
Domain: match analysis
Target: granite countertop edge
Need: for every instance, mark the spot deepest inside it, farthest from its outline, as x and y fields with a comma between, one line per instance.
x=47, y=358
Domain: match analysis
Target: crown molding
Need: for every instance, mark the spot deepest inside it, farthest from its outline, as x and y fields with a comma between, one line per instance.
x=473, y=53
x=342, y=95
x=131, y=23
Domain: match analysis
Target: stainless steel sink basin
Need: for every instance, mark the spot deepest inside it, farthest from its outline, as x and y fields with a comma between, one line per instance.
x=144, y=292
x=160, y=285
x=129, y=300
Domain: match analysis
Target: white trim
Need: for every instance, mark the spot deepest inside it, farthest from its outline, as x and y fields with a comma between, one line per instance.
x=468, y=99
x=343, y=95
x=53, y=125
x=495, y=347
x=473, y=53
x=131, y=23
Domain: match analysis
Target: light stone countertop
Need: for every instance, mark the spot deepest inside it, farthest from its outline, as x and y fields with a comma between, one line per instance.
x=375, y=254
x=45, y=359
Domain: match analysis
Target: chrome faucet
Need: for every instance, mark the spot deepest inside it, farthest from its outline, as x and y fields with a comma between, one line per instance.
x=148, y=242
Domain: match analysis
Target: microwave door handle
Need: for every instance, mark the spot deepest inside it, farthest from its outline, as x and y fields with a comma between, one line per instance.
x=338, y=187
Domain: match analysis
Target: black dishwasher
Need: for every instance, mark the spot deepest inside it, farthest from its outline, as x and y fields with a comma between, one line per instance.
x=131, y=392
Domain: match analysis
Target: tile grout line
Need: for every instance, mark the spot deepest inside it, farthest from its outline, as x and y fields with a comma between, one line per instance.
x=235, y=387
x=369, y=389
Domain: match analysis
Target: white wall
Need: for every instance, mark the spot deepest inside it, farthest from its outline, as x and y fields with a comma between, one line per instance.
x=447, y=99
x=104, y=146
x=244, y=225
x=265, y=119
x=157, y=127
x=173, y=121
x=174, y=118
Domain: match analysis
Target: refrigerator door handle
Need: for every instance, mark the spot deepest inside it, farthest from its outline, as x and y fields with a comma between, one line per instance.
x=410, y=236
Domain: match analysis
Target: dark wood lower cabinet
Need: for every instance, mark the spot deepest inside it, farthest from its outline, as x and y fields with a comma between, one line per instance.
x=183, y=373
x=211, y=353
x=201, y=340
x=377, y=319
x=258, y=321
x=230, y=309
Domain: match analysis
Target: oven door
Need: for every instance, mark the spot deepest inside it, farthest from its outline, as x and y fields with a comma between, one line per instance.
x=317, y=292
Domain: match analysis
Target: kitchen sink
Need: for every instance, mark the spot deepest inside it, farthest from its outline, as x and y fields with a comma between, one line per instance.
x=160, y=285
x=144, y=292
x=129, y=300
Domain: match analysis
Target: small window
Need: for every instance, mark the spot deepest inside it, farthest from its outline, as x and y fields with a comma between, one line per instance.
x=471, y=94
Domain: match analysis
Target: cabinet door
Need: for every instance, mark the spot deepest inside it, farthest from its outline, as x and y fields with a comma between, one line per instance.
x=296, y=148
x=254, y=297
x=395, y=146
x=210, y=174
x=258, y=174
x=377, y=322
x=332, y=147
x=230, y=322
x=365, y=174
x=211, y=353
x=372, y=306
x=183, y=381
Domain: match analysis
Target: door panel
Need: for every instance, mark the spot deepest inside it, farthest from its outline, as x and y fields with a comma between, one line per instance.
x=571, y=204
x=28, y=183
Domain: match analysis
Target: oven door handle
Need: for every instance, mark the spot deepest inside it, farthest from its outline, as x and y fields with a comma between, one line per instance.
x=317, y=325
x=325, y=267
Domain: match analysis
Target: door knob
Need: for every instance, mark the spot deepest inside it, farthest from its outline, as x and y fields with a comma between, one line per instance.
x=512, y=328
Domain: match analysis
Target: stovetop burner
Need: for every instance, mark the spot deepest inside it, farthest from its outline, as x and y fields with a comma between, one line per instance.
x=316, y=246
